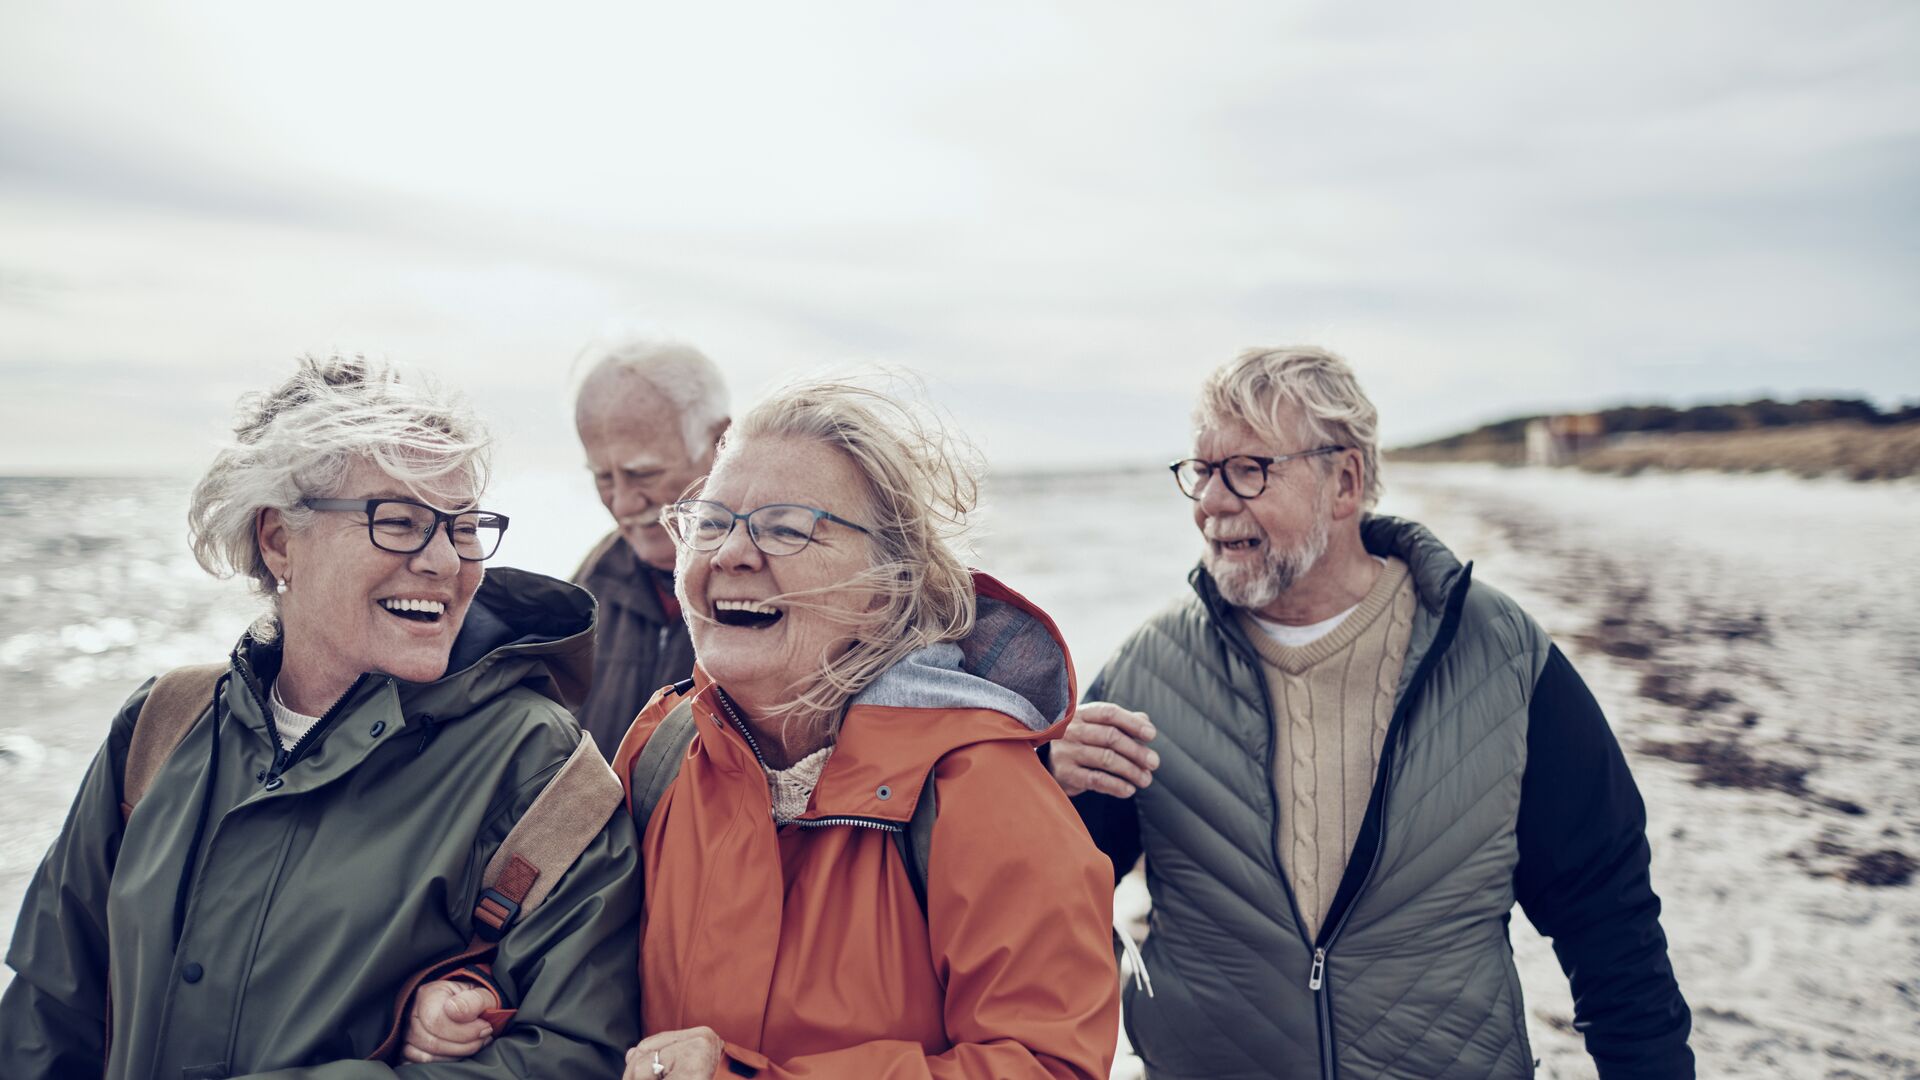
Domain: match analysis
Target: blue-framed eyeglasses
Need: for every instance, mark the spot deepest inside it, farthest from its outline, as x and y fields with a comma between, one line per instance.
x=776, y=528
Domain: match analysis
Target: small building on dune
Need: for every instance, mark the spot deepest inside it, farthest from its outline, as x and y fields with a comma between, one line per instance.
x=1560, y=440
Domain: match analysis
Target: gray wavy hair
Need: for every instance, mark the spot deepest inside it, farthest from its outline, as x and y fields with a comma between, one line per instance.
x=300, y=440
x=922, y=482
x=1252, y=387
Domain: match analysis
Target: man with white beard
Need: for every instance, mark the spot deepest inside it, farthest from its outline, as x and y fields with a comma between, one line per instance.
x=1345, y=761
x=649, y=414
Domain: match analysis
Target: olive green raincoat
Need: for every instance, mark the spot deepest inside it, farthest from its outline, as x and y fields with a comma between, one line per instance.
x=323, y=875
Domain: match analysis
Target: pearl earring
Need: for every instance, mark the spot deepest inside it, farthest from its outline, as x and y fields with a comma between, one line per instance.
x=280, y=586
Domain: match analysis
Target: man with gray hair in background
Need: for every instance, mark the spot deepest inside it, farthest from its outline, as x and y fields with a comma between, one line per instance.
x=649, y=414
x=1345, y=761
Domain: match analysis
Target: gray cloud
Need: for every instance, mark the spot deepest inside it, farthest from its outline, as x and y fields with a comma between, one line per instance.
x=1064, y=216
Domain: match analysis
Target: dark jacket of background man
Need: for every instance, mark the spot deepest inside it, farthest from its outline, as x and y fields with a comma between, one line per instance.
x=641, y=644
x=650, y=414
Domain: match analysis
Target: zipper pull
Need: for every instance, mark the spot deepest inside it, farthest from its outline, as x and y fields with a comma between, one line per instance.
x=1318, y=975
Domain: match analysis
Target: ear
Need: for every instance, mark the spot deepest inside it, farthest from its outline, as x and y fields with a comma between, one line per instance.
x=1349, y=485
x=714, y=434
x=271, y=535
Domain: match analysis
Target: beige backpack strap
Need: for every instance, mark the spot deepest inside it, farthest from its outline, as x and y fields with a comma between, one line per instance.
x=562, y=821
x=177, y=701
x=564, y=818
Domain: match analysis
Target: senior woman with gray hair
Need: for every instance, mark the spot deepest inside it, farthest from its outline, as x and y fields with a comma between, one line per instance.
x=319, y=832
x=853, y=681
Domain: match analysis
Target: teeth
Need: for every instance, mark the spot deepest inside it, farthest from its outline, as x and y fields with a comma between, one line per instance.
x=433, y=607
x=754, y=606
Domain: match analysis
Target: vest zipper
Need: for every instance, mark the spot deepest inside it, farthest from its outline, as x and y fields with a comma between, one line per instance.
x=1317, y=976
x=1247, y=655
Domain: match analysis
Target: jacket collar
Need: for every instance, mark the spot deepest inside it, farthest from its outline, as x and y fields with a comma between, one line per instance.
x=1435, y=570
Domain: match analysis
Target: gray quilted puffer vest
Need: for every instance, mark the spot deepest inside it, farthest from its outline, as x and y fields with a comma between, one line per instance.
x=1412, y=975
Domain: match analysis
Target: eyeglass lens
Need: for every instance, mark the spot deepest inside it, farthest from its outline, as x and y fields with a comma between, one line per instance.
x=405, y=528
x=776, y=530
x=1244, y=476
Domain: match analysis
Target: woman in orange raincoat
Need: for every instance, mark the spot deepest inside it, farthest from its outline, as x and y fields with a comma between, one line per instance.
x=845, y=657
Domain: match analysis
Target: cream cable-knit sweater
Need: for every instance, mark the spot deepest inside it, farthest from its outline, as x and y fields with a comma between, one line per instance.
x=1331, y=701
x=793, y=786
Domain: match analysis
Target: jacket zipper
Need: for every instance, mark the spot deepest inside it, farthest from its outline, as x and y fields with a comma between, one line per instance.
x=285, y=758
x=740, y=725
x=1317, y=975
x=733, y=717
x=865, y=823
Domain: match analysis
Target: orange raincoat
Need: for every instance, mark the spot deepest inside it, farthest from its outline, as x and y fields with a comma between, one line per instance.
x=803, y=945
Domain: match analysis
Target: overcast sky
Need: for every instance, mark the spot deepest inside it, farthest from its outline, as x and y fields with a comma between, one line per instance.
x=1061, y=215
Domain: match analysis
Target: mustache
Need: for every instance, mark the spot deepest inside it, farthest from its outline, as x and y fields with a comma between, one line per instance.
x=1224, y=534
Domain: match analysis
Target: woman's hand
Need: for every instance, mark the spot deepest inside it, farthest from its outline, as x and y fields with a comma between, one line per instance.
x=446, y=1024
x=688, y=1054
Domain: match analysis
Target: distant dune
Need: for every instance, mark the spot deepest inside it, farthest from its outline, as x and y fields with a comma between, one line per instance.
x=1812, y=438
x=1853, y=450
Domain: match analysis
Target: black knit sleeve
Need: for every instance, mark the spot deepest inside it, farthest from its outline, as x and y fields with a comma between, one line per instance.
x=1583, y=881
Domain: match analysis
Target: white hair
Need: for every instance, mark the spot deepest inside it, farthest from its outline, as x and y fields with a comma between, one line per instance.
x=300, y=440
x=1334, y=411
x=680, y=373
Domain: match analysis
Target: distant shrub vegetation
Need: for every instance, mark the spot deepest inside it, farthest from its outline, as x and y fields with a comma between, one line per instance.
x=1667, y=420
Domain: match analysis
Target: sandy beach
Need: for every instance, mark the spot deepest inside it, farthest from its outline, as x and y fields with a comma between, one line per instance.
x=1755, y=641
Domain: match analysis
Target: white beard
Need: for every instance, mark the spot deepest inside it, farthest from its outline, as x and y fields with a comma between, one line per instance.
x=1255, y=586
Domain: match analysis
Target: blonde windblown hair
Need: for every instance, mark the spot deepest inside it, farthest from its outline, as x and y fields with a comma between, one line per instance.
x=922, y=481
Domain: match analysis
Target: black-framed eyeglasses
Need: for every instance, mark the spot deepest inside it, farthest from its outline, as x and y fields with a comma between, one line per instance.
x=404, y=527
x=776, y=528
x=1245, y=474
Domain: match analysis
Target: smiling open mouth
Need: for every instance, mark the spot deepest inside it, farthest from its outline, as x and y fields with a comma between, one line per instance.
x=750, y=614
x=427, y=611
x=1245, y=543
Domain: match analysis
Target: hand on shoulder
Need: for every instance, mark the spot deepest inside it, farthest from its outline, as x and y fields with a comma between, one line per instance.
x=1104, y=749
